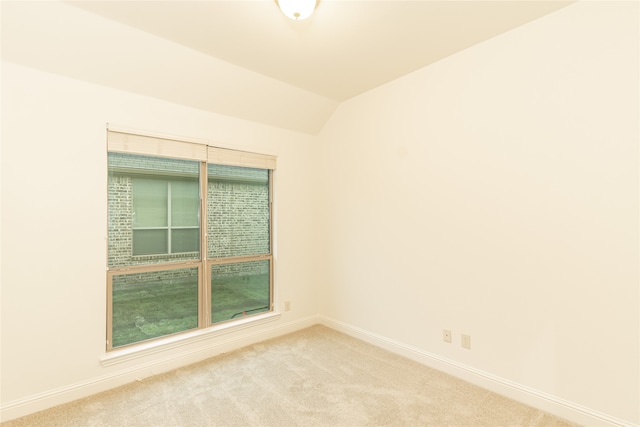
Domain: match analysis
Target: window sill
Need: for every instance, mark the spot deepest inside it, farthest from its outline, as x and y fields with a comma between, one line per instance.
x=156, y=346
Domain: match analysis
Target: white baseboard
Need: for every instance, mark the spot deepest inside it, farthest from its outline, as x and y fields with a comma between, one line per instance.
x=191, y=354
x=554, y=405
x=527, y=395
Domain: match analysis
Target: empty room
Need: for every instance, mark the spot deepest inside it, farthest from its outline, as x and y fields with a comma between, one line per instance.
x=383, y=213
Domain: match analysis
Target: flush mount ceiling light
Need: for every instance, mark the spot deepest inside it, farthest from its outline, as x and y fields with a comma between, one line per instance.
x=297, y=9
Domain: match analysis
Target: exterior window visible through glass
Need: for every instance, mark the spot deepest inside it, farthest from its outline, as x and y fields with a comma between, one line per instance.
x=154, y=208
x=165, y=216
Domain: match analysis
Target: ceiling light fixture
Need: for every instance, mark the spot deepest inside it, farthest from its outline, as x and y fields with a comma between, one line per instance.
x=297, y=9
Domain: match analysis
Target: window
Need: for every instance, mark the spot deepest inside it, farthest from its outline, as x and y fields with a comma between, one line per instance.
x=165, y=216
x=189, y=237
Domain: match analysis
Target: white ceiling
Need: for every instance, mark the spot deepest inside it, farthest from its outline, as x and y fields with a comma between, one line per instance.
x=245, y=58
x=344, y=49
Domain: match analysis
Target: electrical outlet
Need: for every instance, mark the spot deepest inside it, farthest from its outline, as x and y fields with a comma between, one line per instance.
x=446, y=335
x=287, y=306
x=465, y=341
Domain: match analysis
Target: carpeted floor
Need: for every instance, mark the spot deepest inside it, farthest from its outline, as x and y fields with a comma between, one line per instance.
x=313, y=377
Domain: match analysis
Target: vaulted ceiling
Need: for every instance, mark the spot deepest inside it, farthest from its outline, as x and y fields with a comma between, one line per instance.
x=246, y=59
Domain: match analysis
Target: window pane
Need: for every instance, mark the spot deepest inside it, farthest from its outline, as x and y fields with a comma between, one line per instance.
x=150, y=305
x=149, y=242
x=185, y=203
x=140, y=208
x=239, y=289
x=185, y=240
x=150, y=202
x=238, y=211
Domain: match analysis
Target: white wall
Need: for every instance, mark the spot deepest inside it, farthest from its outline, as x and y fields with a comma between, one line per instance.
x=54, y=232
x=495, y=193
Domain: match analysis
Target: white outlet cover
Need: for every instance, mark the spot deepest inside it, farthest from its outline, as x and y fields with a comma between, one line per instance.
x=465, y=341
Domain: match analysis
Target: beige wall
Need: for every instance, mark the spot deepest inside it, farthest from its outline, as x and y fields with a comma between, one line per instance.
x=54, y=183
x=59, y=37
x=495, y=193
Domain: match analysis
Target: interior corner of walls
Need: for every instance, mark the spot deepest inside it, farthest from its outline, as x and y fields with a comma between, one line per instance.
x=512, y=390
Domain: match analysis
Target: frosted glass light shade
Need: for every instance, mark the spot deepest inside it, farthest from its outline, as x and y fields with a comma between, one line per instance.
x=297, y=9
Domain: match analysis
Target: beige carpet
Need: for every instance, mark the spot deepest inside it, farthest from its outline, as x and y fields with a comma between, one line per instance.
x=314, y=377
